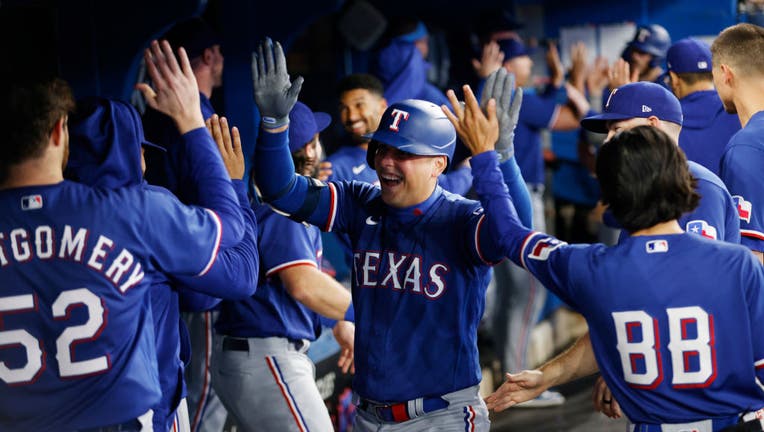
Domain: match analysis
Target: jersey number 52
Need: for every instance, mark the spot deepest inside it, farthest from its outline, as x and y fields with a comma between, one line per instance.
x=691, y=345
x=67, y=366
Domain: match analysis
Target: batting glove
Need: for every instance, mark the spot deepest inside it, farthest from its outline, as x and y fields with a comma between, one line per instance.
x=500, y=85
x=275, y=95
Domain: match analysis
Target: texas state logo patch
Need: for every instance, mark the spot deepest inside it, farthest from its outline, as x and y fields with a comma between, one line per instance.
x=543, y=247
x=743, y=208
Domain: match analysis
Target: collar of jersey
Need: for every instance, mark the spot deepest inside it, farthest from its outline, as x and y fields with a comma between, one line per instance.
x=410, y=213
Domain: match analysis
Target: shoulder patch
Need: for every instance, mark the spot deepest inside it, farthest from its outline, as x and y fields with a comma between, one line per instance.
x=702, y=228
x=543, y=247
x=743, y=208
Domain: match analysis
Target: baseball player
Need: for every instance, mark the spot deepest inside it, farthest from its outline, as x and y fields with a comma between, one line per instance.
x=259, y=367
x=644, y=103
x=707, y=128
x=645, y=54
x=104, y=152
x=737, y=76
x=166, y=169
x=77, y=264
x=421, y=258
x=659, y=303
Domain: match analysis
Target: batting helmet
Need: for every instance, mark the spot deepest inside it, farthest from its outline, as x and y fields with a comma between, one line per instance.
x=652, y=39
x=414, y=126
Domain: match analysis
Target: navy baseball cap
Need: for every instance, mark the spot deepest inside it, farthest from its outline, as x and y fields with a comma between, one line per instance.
x=194, y=35
x=513, y=47
x=639, y=99
x=689, y=56
x=303, y=124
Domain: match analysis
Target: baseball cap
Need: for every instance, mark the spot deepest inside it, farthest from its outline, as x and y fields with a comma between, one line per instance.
x=303, y=124
x=194, y=35
x=639, y=99
x=513, y=47
x=688, y=56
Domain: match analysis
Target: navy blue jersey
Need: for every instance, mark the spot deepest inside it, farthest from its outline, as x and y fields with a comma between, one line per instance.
x=674, y=319
x=741, y=165
x=706, y=128
x=272, y=311
x=76, y=264
x=536, y=113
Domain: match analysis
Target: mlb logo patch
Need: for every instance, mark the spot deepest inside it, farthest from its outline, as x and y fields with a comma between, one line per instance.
x=656, y=246
x=543, y=247
x=31, y=202
x=701, y=227
x=743, y=208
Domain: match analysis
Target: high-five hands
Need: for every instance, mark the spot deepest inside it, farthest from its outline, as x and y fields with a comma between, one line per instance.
x=275, y=94
x=500, y=86
x=175, y=92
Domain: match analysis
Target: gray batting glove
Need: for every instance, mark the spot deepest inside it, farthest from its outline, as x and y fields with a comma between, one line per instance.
x=275, y=95
x=500, y=85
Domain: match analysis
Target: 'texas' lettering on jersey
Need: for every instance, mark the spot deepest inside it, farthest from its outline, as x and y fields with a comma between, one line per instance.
x=21, y=245
x=403, y=272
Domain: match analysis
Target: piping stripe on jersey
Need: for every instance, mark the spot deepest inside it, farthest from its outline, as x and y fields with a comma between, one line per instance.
x=202, y=406
x=526, y=242
x=752, y=234
x=332, y=208
x=469, y=419
x=759, y=364
x=218, y=237
x=286, y=265
x=286, y=392
x=477, y=239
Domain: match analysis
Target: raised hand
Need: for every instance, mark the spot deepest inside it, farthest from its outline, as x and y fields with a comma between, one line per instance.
x=275, y=94
x=598, y=77
x=500, y=86
x=478, y=131
x=491, y=59
x=553, y=62
x=578, y=72
x=517, y=388
x=620, y=74
x=229, y=145
x=175, y=91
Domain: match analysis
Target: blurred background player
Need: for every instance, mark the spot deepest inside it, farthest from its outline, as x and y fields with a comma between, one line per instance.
x=738, y=72
x=259, y=368
x=706, y=128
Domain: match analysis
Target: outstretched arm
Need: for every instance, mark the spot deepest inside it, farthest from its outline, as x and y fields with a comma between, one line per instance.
x=576, y=362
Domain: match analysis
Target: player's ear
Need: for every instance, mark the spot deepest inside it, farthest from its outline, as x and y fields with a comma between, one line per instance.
x=60, y=131
x=728, y=75
x=439, y=165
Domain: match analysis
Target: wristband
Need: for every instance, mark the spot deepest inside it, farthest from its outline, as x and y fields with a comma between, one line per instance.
x=273, y=122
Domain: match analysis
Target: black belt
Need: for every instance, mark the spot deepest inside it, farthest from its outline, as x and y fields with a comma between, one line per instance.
x=235, y=344
x=129, y=426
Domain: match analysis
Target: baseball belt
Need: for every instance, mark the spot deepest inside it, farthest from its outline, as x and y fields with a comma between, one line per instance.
x=402, y=411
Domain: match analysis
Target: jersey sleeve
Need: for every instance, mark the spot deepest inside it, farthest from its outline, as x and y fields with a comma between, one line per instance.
x=234, y=273
x=714, y=217
x=288, y=243
x=741, y=170
x=204, y=181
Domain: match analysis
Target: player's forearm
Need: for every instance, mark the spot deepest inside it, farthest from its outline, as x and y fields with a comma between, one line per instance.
x=206, y=182
x=576, y=362
x=234, y=274
x=518, y=191
x=317, y=291
x=504, y=234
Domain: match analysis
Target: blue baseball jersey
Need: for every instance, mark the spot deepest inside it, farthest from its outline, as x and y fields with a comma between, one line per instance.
x=706, y=128
x=272, y=311
x=76, y=264
x=715, y=217
x=674, y=319
x=536, y=113
x=412, y=286
x=741, y=165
